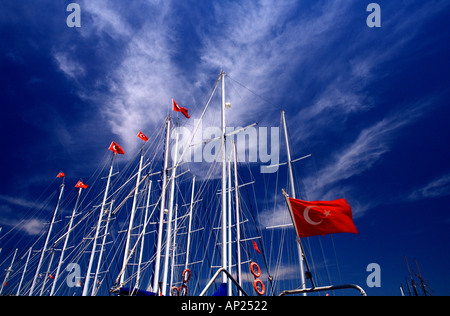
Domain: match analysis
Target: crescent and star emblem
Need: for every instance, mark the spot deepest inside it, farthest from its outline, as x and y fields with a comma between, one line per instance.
x=309, y=220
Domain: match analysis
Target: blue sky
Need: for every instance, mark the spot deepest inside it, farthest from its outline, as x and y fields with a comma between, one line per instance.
x=370, y=104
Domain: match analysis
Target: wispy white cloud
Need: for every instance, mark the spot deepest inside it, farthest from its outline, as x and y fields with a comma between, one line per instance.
x=15, y=201
x=8, y=210
x=32, y=226
x=69, y=66
x=135, y=89
x=436, y=188
x=364, y=152
x=264, y=47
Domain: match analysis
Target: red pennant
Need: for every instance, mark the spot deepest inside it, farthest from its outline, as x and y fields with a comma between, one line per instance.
x=255, y=245
x=116, y=148
x=178, y=108
x=142, y=136
x=61, y=175
x=81, y=185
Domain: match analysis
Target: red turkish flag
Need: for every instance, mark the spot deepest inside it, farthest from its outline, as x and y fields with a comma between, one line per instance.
x=322, y=217
x=178, y=108
x=255, y=246
x=142, y=136
x=81, y=185
x=116, y=148
x=61, y=175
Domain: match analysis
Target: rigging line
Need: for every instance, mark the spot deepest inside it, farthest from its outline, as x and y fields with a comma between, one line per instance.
x=199, y=122
x=325, y=262
x=256, y=94
x=257, y=230
x=336, y=258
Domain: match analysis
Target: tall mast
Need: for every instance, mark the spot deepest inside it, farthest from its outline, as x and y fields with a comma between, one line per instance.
x=238, y=224
x=188, y=243
x=24, y=271
x=174, y=245
x=61, y=258
x=8, y=271
x=412, y=279
x=421, y=279
x=46, y=275
x=144, y=228
x=291, y=177
x=33, y=285
x=133, y=212
x=94, y=244
x=229, y=226
x=169, y=220
x=163, y=205
x=224, y=185
x=100, y=255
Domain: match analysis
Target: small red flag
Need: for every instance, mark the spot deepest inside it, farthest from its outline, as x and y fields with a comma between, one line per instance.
x=322, y=217
x=178, y=108
x=61, y=175
x=255, y=245
x=81, y=185
x=116, y=148
x=142, y=136
x=51, y=276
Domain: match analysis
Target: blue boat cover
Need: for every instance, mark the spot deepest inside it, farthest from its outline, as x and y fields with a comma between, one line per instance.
x=222, y=291
x=134, y=292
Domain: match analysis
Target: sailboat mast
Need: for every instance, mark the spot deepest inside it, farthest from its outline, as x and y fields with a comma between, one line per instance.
x=170, y=219
x=224, y=185
x=8, y=271
x=36, y=275
x=144, y=228
x=229, y=226
x=94, y=243
x=100, y=255
x=291, y=178
x=188, y=243
x=133, y=212
x=238, y=224
x=163, y=205
x=24, y=271
x=174, y=245
x=61, y=258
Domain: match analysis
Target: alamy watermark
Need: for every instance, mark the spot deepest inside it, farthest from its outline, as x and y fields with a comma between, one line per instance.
x=74, y=18
x=74, y=277
x=253, y=144
x=374, y=18
x=374, y=278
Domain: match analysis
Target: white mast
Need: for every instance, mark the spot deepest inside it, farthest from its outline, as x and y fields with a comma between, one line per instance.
x=46, y=275
x=163, y=205
x=61, y=258
x=100, y=256
x=229, y=226
x=224, y=185
x=174, y=245
x=133, y=212
x=94, y=244
x=24, y=271
x=169, y=220
x=33, y=285
x=188, y=243
x=8, y=271
x=238, y=224
x=144, y=228
x=291, y=177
